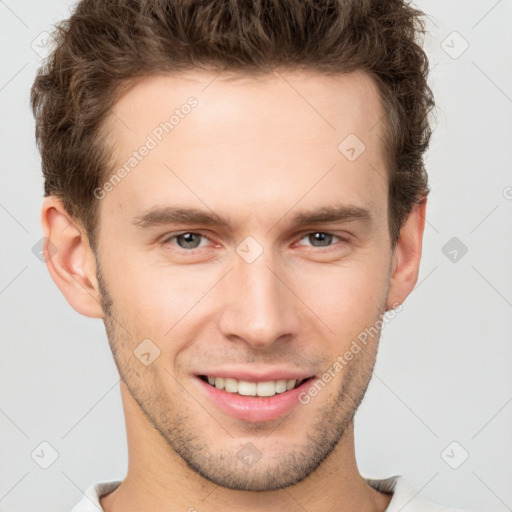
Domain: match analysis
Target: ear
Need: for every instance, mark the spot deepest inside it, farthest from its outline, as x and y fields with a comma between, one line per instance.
x=407, y=256
x=70, y=259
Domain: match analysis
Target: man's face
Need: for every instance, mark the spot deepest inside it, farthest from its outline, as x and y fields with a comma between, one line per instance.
x=262, y=297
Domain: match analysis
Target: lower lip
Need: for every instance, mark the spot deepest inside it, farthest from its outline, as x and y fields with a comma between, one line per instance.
x=253, y=408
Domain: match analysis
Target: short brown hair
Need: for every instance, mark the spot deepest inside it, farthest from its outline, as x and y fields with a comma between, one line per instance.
x=107, y=44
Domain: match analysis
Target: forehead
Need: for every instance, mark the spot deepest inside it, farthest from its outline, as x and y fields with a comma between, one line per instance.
x=326, y=105
x=274, y=139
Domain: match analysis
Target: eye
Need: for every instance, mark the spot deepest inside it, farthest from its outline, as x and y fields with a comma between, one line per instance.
x=321, y=238
x=191, y=240
x=187, y=240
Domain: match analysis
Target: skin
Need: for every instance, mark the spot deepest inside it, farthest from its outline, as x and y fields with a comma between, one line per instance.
x=255, y=152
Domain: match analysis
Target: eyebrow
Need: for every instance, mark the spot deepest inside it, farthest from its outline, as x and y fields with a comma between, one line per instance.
x=174, y=215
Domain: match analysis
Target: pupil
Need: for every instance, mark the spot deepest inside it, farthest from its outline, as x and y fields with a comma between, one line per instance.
x=189, y=242
x=323, y=238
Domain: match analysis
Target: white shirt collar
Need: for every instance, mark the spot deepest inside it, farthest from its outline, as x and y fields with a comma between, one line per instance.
x=405, y=497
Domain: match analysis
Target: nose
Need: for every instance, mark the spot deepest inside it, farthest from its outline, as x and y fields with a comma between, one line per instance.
x=260, y=308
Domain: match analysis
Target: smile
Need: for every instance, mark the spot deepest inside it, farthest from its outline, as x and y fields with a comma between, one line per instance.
x=254, y=400
x=249, y=388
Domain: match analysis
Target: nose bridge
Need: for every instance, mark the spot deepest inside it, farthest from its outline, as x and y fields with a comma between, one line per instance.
x=260, y=309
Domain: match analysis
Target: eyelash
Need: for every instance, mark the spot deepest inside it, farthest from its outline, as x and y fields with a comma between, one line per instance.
x=168, y=239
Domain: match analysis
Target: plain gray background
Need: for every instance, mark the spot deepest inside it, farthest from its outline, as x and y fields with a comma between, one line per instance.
x=442, y=389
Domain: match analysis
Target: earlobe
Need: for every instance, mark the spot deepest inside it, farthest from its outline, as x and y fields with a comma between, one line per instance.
x=70, y=259
x=407, y=256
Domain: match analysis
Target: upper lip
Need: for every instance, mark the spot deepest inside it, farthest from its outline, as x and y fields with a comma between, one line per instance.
x=257, y=376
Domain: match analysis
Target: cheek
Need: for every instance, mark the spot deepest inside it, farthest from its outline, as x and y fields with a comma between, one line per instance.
x=158, y=300
x=347, y=297
x=155, y=298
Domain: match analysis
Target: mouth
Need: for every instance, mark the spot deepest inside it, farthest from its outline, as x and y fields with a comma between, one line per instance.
x=254, y=400
x=252, y=388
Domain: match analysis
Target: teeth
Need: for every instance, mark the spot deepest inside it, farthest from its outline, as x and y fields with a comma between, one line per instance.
x=247, y=388
x=267, y=388
x=231, y=385
x=290, y=384
x=280, y=386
